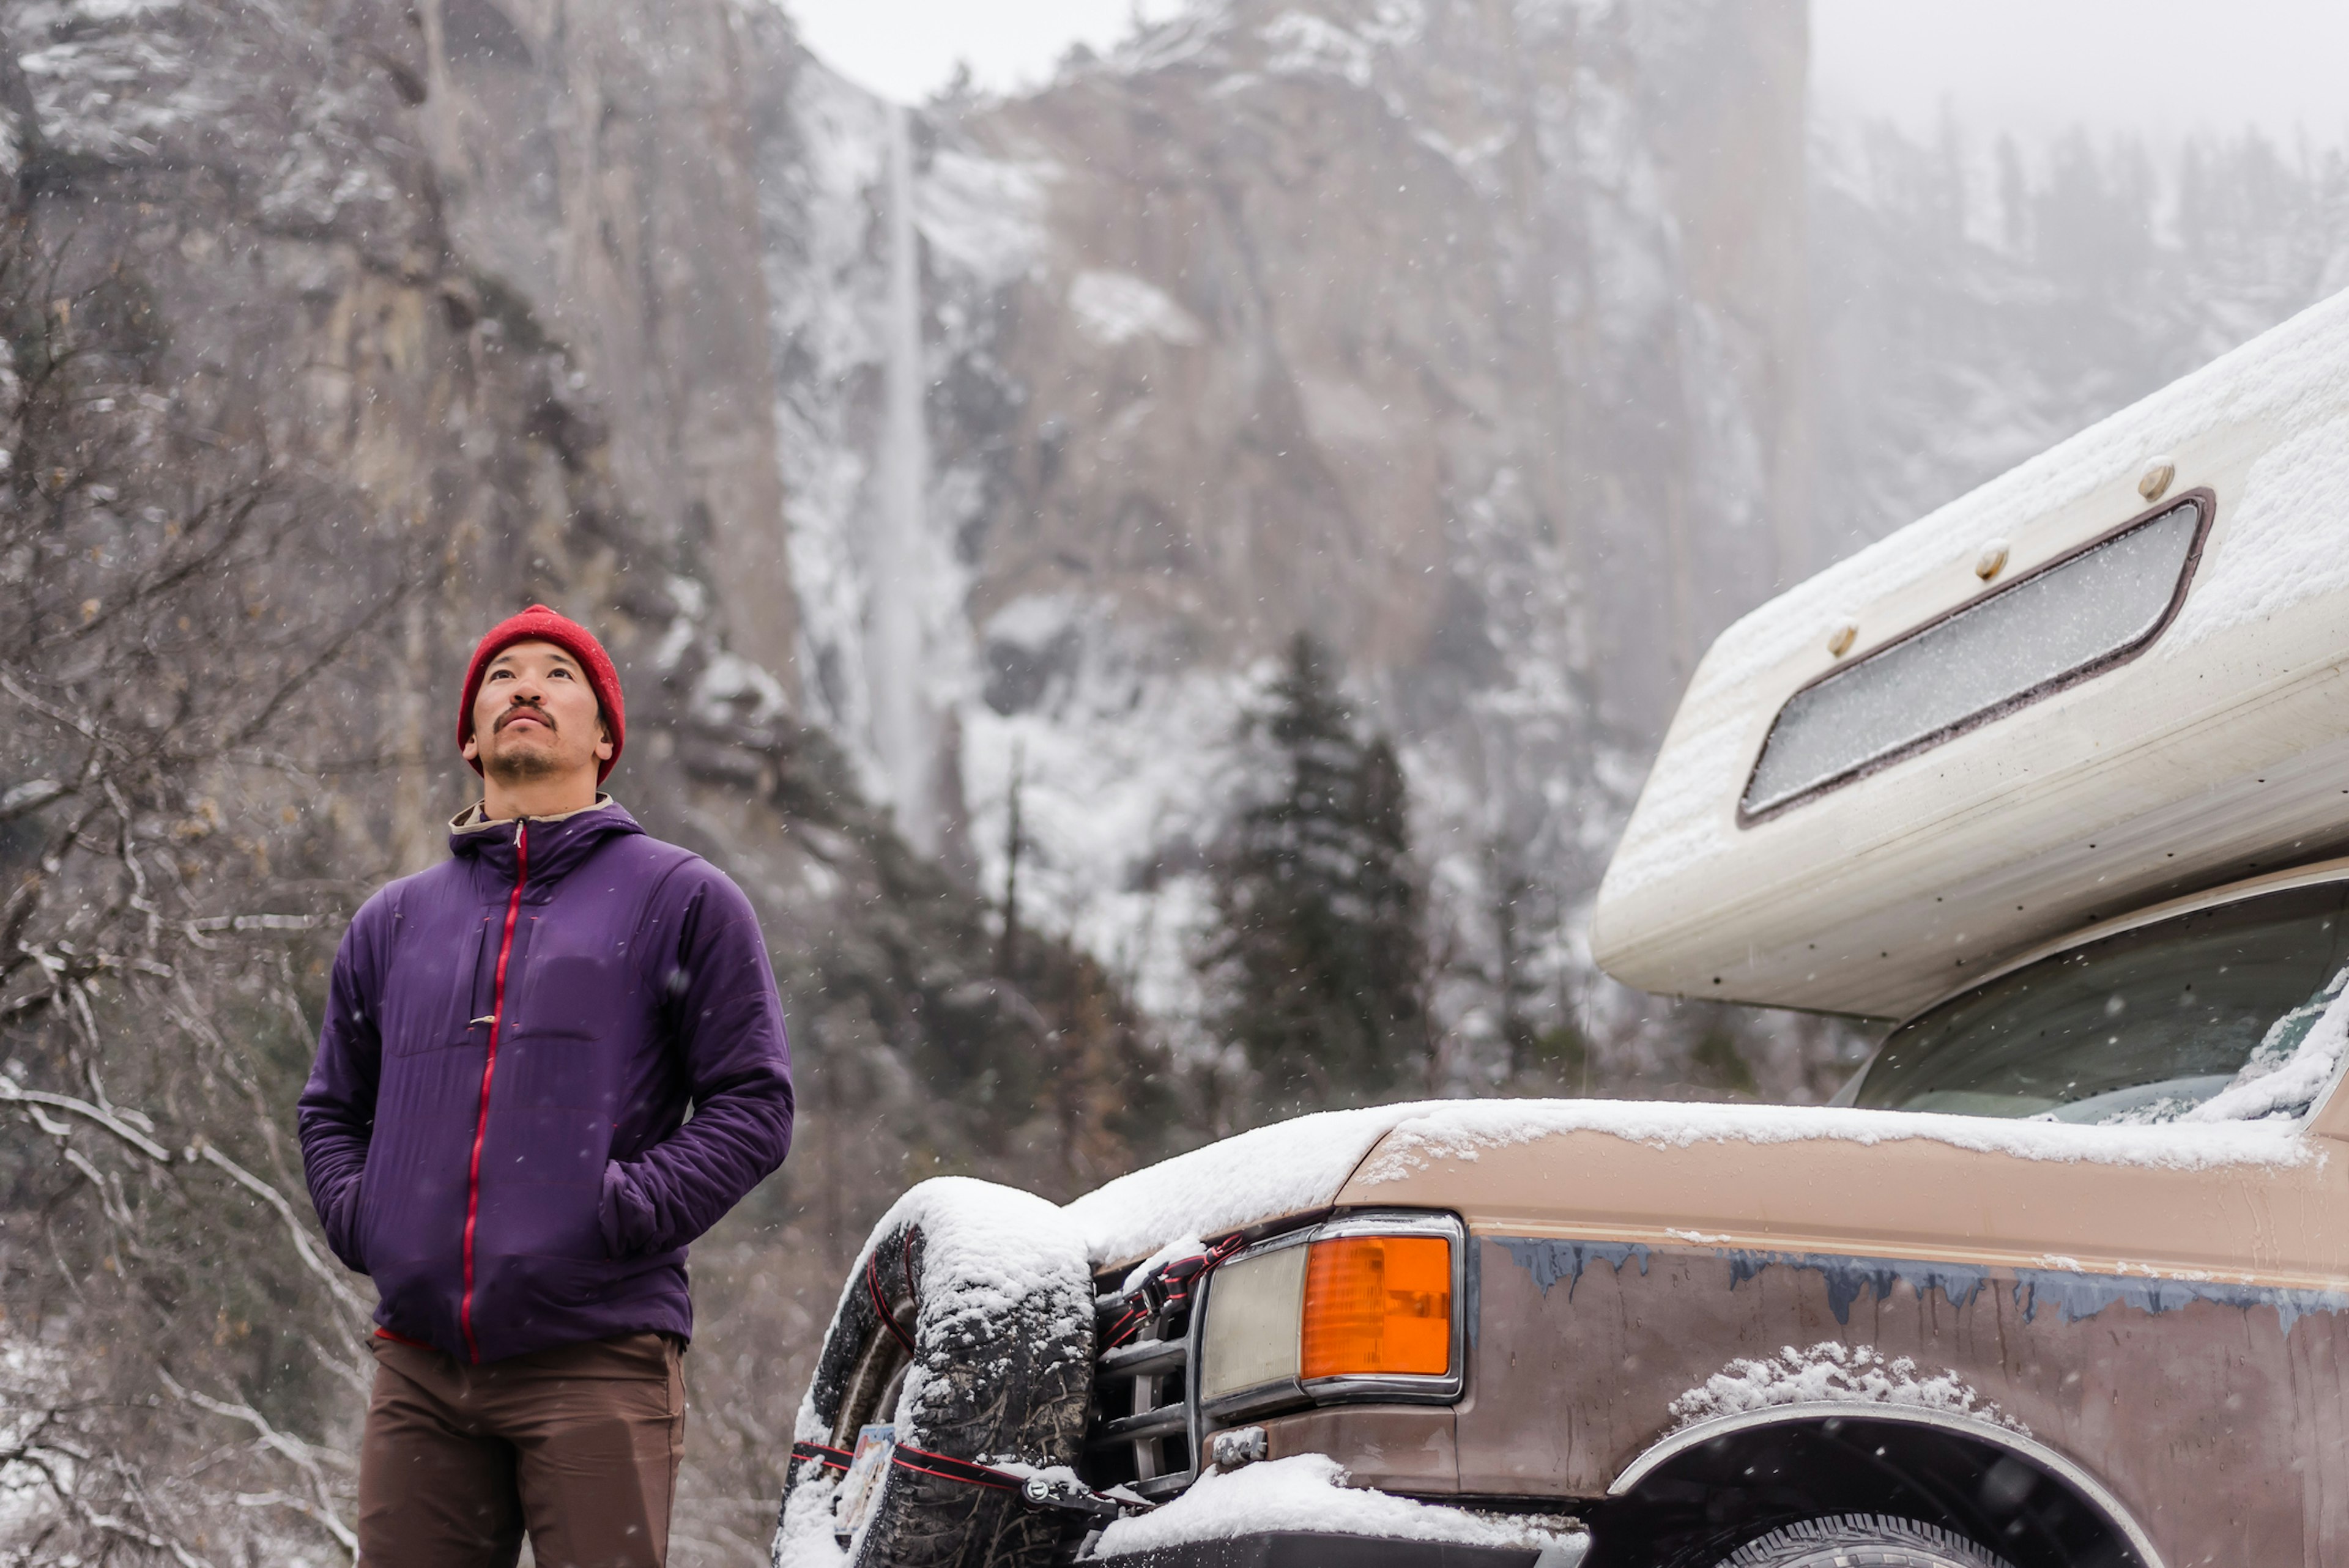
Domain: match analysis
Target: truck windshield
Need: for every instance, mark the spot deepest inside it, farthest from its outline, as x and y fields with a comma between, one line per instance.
x=2230, y=1013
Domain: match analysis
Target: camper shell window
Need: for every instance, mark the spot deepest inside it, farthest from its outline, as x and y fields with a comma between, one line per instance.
x=2078, y=615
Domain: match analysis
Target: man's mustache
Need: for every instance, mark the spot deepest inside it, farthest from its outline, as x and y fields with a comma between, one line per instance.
x=519, y=709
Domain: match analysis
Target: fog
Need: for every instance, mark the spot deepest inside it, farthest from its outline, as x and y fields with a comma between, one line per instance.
x=2157, y=67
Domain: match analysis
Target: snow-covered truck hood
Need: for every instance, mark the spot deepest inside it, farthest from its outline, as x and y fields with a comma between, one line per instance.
x=1778, y=1179
x=1265, y=1174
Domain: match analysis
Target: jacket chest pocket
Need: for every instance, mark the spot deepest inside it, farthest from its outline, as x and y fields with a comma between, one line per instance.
x=432, y=1007
x=573, y=994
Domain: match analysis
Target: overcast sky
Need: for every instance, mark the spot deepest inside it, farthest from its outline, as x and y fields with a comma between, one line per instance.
x=2032, y=67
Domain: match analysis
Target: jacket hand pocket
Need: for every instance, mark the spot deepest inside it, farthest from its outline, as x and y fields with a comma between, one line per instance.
x=623, y=1215
x=341, y=1224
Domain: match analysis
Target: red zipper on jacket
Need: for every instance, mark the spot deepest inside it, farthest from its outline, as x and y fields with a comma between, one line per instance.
x=489, y=1071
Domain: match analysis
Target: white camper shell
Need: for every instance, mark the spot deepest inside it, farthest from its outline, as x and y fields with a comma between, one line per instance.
x=2108, y=677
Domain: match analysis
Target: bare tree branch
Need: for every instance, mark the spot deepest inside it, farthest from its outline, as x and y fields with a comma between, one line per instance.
x=11, y=1092
x=303, y=1455
x=318, y=1264
x=268, y=712
x=170, y=592
x=37, y=1461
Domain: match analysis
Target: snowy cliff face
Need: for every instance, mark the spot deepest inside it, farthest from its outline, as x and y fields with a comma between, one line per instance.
x=495, y=275
x=574, y=174
x=593, y=158
x=491, y=280
x=344, y=272
x=1466, y=333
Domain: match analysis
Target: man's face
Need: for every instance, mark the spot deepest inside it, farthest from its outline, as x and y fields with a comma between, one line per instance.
x=536, y=716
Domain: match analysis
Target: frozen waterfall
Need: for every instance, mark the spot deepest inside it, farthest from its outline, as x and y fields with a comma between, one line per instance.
x=905, y=722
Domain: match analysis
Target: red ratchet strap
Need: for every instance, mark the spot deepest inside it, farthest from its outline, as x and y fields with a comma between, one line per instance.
x=819, y=1454
x=881, y=1297
x=1040, y=1492
x=1125, y=1327
x=1169, y=1284
x=946, y=1467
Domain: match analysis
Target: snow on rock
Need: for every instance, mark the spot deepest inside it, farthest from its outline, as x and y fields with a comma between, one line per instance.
x=1832, y=1373
x=732, y=689
x=984, y=215
x=290, y=100
x=1461, y=1130
x=990, y=1255
x=1121, y=766
x=1308, y=1492
x=1111, y=307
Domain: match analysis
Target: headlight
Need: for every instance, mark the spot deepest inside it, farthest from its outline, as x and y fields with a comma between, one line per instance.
x=1251, y=1334
x=1366, y=1306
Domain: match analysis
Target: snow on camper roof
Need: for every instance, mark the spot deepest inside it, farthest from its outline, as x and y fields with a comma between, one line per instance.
x=1883, y=879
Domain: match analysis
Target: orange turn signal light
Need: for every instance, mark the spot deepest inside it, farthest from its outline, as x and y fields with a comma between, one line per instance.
x=1377, y=1305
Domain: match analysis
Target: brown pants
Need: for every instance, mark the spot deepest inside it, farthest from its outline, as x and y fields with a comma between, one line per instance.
x=578, y=1445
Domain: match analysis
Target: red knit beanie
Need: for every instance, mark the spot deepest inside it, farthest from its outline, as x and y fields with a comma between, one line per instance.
x=540, y=625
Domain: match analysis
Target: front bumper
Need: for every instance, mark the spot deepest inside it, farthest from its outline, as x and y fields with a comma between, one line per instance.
x=1300, y=1549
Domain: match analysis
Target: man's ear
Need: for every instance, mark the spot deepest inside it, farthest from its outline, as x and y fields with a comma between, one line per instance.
x=472, y=748
x=602, y=740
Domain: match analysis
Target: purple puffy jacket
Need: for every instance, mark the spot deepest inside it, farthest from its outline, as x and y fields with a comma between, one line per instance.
x=495, y=1128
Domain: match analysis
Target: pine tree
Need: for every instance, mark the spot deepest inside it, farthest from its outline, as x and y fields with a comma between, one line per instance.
x=1518, y=931
x=1317, y=966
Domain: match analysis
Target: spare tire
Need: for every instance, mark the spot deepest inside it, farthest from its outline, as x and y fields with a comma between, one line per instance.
x=1874, y=1539
x=968, y=1322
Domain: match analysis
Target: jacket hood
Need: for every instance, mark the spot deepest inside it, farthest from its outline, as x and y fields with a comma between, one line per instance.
x=557, y=843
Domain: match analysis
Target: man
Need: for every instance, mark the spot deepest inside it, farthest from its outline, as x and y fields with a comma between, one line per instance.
x=495, y=1130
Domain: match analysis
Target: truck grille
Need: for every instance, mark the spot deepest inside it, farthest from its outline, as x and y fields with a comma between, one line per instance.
x=1139, y=1429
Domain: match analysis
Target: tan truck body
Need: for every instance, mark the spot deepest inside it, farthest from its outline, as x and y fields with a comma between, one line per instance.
x=2177, y=1336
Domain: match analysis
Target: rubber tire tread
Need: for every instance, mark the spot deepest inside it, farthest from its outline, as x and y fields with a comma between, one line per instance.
x=1030, y=1399
x=1862, y=1541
